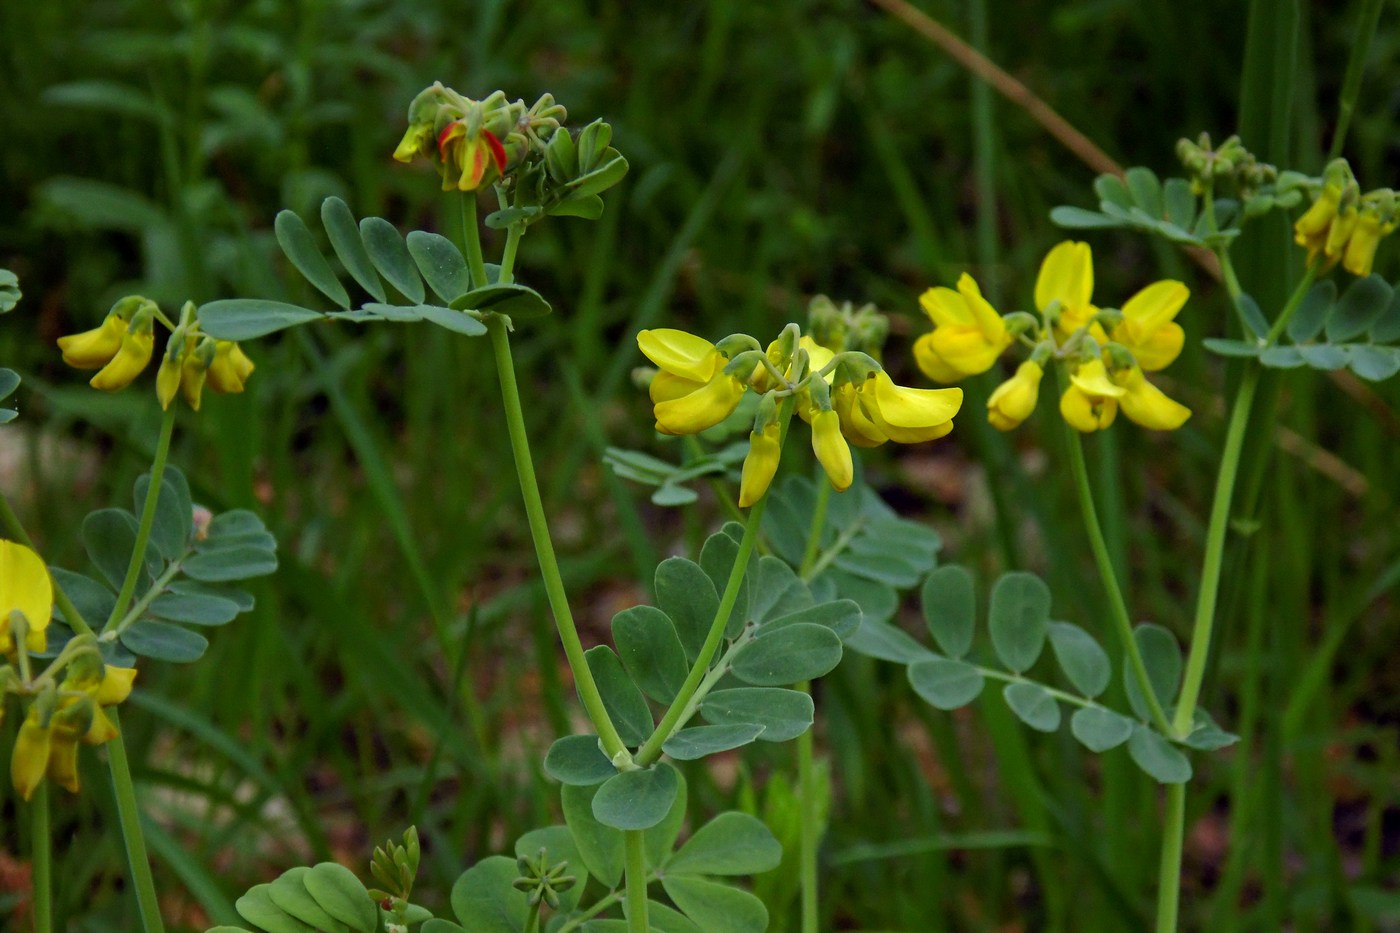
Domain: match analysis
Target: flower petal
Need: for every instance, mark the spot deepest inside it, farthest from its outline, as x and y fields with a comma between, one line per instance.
x=1092, y=378
x=946, y=307
x=681, y=353
x=1066, y=275
x=832, y=451
x=903, y=407
x=1153, y=307
x=25, y=587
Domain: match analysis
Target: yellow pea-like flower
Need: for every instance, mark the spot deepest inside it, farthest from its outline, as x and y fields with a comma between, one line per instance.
x=230, y=368
x=1013, y=401
x=681, y=353
x=30, y=757
x=136, y=349
x=908, y=416
x=1149, y=329
x=692, y=392
x=25, y=587
x=968, y=334
x=417, y=140
x=1146, y=404
x=701, y=409
x=760, y=465
x=856, y=425
x=1317, y=218
x=1067, y=276
x=1360, y=252
x=831, y=449
x=93, y=349
x=469, y=160
x=1091, y=401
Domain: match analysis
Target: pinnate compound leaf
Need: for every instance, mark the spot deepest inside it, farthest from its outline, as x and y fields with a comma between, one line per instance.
x=878, y=639
x=289, y=893
x=784, y=714
x=257, y=908
x=1033, y=705
x=174, y=518
x=1077, y=218
x=689, y=598
x=1239, y=348
x=1252, y=317
x=637, y=799
x=484, y=896
x=247, y=318
x=1082, y=659
x=777, y=592
x=842, y=616
x=1100, y=729
x=1386, y=329
x=732, y=843
x=1323, y=356
x=796, y=652
x=716, y=907
x=109, y=537
x=577, y=759
x=700, y=741
x=659, y=840
x=459, y=322
x=1161, y=655
x=624, y=702
x=1146, y=190
x=194, y=610
x=349, y=248
x=1282, y=357
x=1372, y=363
x=300, y=247
x=389, y=255
x=233, y=563
x=650, y=651
x=600, y=846
x=441, y=264
x=1018, y=618
x=944, y=683
x=1179, y=202
x=1159, y=758
x=950, y=609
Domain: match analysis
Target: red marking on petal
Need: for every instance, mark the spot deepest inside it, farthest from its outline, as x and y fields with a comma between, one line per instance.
x=498, y=151
x=449, y=131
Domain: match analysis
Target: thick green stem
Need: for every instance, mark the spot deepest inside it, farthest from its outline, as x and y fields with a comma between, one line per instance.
x=651, y=749
x=129, y=816
x=1213, y=560
x=1117, y=607
x=634, y=840
x=513, y=236
x=472, y=237
x=1169, y=868
x=544, y=546
x=43, y=859
x=148, y=517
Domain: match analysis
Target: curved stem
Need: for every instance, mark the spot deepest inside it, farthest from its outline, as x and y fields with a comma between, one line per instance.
x=634, y=841
x=148, y=517
x=1118, y=608
x=42, y=854
x=129, y=816
x=544, y=546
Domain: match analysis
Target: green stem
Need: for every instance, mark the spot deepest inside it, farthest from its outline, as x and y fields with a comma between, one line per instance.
x=129, y=816
x=1118, y=608
x=1169, y=868
x=544, y=546
x=634, y=839
x=532, y=919
x=513, y=236
x=806, y=764
x=42, y=844
x=472, y=237
x=16, y=530
x=148, y=517
x=1220, y=517
x=651, y=749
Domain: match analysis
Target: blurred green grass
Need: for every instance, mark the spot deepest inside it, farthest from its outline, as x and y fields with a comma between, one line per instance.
x=778, y=150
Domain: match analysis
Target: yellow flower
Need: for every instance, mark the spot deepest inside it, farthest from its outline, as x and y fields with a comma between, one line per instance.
x=30, y=757
x=1148, y=329
x=1317, y=218
x=1067, y=276
x=760, y=465
x=692, y=392
x=230, y=368
x=831, y=449
x=417, y=140
x=891, y=412
x=1013, y=401
x=1091, y=401
x=25, y=588
x=136, y=348
x=968, y=334
x=50, y=749
x=1146, y=404
x=469, y=160
x=93, y=349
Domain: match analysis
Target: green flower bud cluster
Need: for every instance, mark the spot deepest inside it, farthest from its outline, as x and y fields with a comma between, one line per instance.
x=846, y=327
x=1229, y=163
x=541, y=881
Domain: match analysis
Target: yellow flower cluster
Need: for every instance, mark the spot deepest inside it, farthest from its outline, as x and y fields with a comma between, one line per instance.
x=122, y=346
x=60, y=715
x=1106, y=352
x=1344, y=224
x=846, y=397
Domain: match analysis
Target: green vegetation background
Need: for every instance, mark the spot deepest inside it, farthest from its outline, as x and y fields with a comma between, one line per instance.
x=778, y=150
